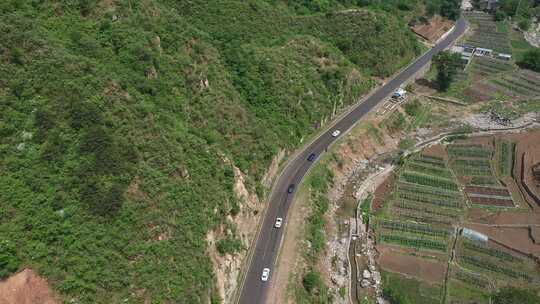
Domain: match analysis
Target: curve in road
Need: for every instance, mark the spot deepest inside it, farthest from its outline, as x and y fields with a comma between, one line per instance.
x=269, y=238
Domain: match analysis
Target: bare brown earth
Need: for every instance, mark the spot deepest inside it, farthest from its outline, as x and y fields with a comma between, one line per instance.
x=436, y=151
x=26, y=287
x=434, y=29
x=427, y=270
x=382, y=191
x=479, y=215
x=518, y=238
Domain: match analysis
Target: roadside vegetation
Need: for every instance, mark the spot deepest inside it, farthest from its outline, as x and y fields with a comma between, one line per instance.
x=314, y=288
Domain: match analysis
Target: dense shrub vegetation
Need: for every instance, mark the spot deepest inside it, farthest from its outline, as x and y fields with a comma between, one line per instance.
x=448, y=65
x=512, y=295
x=522, y=12
x=121, y=120
x=531, y=60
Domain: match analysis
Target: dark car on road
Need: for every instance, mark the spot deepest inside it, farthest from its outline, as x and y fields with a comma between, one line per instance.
x=311, y=157
x=291, y=188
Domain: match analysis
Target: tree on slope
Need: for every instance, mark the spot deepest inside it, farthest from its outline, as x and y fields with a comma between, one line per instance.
x=531, y=60
x=447, y=64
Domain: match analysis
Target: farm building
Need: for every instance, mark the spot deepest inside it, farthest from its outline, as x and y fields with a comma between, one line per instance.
x=474, y=235
x=483, y=52
x=465, y=51
x=504, y=56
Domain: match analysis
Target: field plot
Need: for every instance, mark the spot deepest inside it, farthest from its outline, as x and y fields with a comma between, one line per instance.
x=505, y=157
x=485, y=66
x=498, y=264
x=413, y=235
x=419, y=226
x=467, y=287
x=519, y=84
x=418, y=267
x=486, y=33
x=472, y=163
x=425, y=191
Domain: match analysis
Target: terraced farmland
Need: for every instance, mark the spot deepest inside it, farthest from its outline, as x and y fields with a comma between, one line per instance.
x=498, y=264
x=426, y=192
x=413, y=235
x=473, y=164
x=505, y=157
x=520, y=83
x=486, y=34
x=486, y=66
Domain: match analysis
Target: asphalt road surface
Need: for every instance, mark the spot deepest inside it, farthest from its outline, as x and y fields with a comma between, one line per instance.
x=269, y=239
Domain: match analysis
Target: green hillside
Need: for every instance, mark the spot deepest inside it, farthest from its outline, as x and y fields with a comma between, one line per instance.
x=117, y=119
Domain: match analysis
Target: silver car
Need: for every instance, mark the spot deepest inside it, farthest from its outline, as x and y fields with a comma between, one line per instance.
x=265, y=274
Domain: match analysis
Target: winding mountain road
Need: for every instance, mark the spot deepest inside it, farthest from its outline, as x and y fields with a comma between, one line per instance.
x=268, y=243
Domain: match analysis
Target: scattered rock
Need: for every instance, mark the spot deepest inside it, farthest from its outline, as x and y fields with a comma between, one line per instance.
x=366, y=274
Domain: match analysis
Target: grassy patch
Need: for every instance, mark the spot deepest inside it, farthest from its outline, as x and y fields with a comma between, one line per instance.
x=398, y=289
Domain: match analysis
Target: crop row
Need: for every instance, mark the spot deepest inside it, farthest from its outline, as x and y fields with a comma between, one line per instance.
x=531, y=75
x=513, y=87
x=488, y=201
x=424, y=218
x=428, y=169
x=432, y=160
x=493, y=63
x=487, y=69
x=469, y=151
x=426, y=196
x=487, y=191
x=427, y=200
x=487, y=41
x=480, y=263
x=471, y=171
x=506, y=158
x=428, y=180
x=481, y=163
x=521, y=87
x=515, y=81
x=431, y=211
x=489, y=251
x=413, y=228
x=471, y=279
x=484, y=70
x=413, y=242
x=419, y=189
x=528, y=78
x=484, y=180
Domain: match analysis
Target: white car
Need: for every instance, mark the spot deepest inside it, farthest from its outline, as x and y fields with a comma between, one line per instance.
x=265, y=274
x=336, y=133
x=279, y=220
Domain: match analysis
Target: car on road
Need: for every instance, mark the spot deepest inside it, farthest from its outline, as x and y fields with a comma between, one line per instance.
x=279, y=220
x=265, y=274
x=290, y=189
x=311, y=157
x=336, y=133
